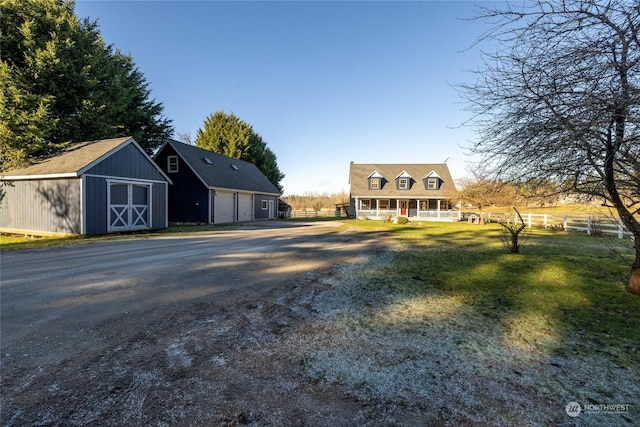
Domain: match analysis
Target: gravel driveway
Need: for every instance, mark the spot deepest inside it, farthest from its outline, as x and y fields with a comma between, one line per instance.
x=169, y=330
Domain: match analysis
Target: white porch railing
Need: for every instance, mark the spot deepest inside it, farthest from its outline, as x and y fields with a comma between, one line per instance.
x=419, y=216
x=438, y=215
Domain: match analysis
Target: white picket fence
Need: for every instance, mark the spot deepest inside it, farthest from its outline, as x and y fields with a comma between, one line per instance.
x=592, y=225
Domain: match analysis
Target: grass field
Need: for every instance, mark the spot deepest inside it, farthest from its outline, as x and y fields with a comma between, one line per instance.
x=449, y=321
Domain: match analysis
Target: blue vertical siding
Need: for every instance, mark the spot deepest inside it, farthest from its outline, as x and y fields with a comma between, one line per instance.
x=45, y=205
x=128, y=162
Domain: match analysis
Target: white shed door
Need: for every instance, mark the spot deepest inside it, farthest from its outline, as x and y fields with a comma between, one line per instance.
x=128, y=206
x=245, y=207
x=224, y=207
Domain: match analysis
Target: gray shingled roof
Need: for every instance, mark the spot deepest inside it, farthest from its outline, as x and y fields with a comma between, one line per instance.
x=71, y=161
x=222, y=173
x=359, y=179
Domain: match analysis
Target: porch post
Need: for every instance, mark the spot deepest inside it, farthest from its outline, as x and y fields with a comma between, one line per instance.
x=438, y=208
x=378, y=208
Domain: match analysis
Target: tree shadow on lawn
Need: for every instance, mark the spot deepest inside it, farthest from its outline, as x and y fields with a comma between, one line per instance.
x=459, y=321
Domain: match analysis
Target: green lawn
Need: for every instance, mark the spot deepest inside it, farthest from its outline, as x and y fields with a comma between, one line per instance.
x=449, y=318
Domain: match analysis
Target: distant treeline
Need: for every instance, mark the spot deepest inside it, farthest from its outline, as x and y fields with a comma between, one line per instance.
x=316, y=201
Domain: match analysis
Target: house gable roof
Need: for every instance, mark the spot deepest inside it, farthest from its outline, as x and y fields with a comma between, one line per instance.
x=75, y=159
x=222, y=172
x=359, y=173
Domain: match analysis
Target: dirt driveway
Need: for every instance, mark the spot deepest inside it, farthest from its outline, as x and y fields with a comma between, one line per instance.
x=176, y=330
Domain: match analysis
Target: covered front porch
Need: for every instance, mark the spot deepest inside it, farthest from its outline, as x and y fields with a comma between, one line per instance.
x=428, y=209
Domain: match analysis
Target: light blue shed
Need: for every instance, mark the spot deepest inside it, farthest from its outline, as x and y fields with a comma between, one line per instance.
x=93, y=187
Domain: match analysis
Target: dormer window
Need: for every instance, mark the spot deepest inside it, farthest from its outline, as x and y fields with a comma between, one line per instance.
x=375, y=181
x=403, y=181
x=432, y=181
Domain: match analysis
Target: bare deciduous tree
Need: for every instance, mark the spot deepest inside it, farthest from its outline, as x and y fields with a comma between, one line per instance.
x=511, y=232
x=482, y=191
x=559, y=98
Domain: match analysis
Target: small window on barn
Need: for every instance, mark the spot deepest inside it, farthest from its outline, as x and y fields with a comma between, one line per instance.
x=265, y=205
x=172, y=164
x=235, y=168
x=207, y=161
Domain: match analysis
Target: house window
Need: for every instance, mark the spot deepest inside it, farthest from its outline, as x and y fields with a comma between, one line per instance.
x=424, y=205
x=375, y=183
x=384, y=204
x=365, y=204
x=172, y=164
x=403, y=183
x=432, y=184
x=265, y=205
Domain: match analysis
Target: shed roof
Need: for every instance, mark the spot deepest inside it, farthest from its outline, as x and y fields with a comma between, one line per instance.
x=72, y=161
x=359, y=174
x=218, y=171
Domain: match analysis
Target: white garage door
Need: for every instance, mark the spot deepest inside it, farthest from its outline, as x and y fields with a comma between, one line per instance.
x=245, y=207
x=224, y=207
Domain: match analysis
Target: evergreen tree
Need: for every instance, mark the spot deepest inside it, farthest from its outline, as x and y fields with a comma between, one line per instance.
x=62, y=84
x=231, y=136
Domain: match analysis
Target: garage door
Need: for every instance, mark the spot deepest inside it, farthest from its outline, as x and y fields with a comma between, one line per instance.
x=245, y=207
x=224, y=207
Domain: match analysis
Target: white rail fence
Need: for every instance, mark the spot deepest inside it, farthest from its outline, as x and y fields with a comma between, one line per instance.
x=316, y=214
x=592, y=225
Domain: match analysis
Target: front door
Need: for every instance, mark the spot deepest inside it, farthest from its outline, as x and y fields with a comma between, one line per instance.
x=272, y=210
x=403, y=207
x=128, y=206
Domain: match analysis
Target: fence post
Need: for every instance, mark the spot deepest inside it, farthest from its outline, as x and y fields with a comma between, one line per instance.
x=545, y=220
x=589, y=225
x=529, y=219
x=620, y=229
x=564, y=223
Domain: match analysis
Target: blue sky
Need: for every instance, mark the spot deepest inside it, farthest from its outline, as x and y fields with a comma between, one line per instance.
x=324, y=83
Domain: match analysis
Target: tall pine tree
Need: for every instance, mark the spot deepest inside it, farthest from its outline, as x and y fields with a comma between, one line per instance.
x=61, y=83
x=231, y=136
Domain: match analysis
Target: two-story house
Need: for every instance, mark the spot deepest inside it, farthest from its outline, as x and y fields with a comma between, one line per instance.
x=415, y=191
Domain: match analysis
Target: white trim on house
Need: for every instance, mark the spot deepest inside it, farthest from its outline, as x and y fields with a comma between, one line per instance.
x=235, y=190
x=124, y=179
x=83, y=211
x=35, y=177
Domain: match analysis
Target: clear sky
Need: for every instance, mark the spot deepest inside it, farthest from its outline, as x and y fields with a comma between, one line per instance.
x=324, y=83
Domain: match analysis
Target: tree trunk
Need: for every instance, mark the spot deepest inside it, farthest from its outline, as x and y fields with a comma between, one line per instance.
x=634, y=281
